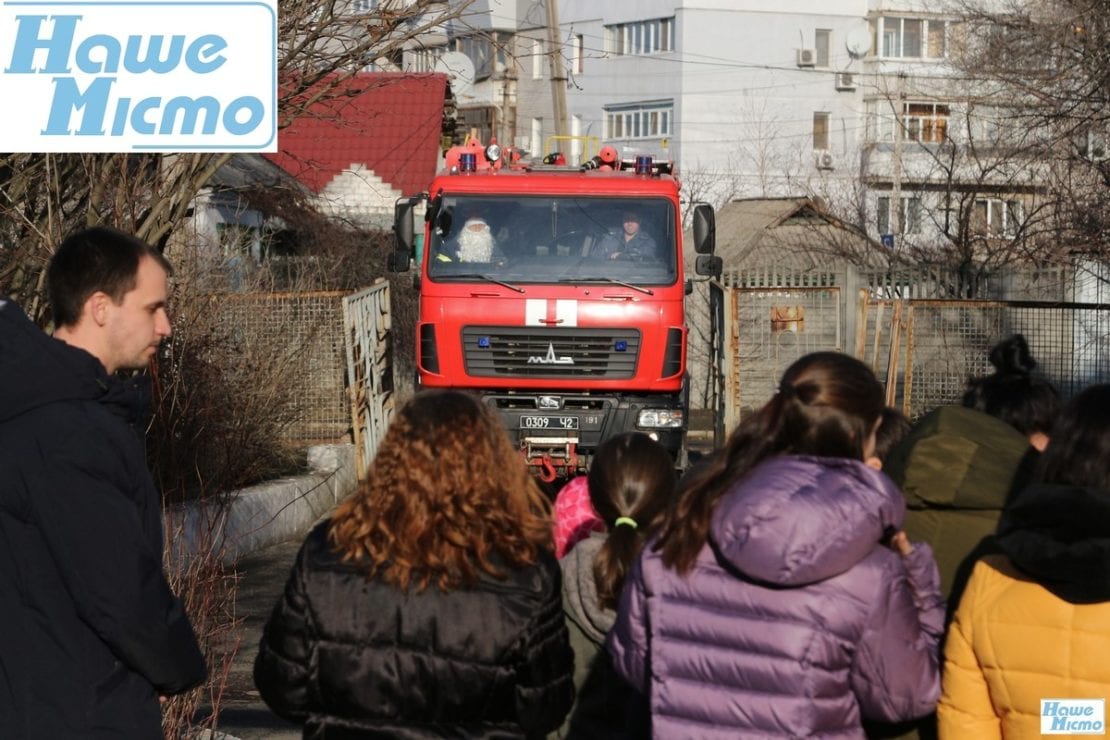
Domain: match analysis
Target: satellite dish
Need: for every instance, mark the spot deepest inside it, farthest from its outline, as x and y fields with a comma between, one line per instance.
x=858, y=41
x=459, y=69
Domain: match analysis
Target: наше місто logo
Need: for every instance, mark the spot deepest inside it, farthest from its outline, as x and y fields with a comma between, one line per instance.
x=1073, y=716
x=138, y=75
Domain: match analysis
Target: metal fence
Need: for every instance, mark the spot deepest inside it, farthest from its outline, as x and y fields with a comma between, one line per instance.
x=302, y=332
x=1049, y=283
x=926, y=331
x=928, y=349
x=368, y=329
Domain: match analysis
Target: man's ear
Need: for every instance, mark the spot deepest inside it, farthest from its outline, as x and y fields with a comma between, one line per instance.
x=96, y=306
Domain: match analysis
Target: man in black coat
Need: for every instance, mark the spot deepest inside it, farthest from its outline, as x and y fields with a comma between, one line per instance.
x=91, y=635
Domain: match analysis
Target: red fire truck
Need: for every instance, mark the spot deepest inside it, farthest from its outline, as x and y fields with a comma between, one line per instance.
x=556, y=293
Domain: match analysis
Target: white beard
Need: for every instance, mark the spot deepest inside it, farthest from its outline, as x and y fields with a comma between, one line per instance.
x=475, y=246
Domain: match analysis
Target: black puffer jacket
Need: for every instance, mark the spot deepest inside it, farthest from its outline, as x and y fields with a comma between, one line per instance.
x=90, y=633
x=351, y=657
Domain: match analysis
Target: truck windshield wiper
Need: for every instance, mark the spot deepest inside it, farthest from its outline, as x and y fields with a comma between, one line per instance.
x=483, y=278
x=606, y=279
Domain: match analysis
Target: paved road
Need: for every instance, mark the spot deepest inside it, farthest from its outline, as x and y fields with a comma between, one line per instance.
x=262, y=578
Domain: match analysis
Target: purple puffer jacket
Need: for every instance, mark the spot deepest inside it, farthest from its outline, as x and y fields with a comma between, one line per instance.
x=794, y=620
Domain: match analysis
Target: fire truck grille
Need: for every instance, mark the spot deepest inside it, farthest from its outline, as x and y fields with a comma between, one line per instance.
x=535, y=352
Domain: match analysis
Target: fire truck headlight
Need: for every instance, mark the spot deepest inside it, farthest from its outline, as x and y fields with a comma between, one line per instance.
x=493, y=152
x=660, y=419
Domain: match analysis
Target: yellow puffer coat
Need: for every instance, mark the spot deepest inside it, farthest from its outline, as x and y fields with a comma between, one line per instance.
x=1038, y=632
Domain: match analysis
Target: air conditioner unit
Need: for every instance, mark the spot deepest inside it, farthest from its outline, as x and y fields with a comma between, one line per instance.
x=824, y=160
x=807, y=58
x=845, y=81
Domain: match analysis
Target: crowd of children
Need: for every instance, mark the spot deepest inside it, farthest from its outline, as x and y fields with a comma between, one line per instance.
x=786, y=586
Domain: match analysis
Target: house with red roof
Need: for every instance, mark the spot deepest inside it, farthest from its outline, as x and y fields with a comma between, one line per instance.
x=373, y=138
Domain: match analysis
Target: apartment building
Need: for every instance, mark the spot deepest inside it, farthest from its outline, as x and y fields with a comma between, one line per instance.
x=855, y=102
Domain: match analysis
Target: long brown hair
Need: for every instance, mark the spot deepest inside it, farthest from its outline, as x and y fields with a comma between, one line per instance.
x=631, y=478
x=446, y=499
x=827, y=404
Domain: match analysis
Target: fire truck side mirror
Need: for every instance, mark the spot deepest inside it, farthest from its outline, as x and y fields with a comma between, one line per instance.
x=705, y=229
x=709, y=264
x=399, y=261
x=403, y=239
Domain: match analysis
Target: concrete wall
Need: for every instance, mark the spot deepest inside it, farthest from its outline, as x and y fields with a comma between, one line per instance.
x=262, y=515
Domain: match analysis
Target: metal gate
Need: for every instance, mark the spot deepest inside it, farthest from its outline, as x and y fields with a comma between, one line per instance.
x=764, y=331
x=369, y=340
x=928, y=349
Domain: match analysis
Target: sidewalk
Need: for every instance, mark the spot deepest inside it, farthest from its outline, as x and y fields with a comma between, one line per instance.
x=262, y=575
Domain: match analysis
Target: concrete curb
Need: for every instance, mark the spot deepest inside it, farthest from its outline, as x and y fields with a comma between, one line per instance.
x=262, y=515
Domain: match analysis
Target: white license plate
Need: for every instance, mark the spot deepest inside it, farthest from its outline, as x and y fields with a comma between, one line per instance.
x=548, y=422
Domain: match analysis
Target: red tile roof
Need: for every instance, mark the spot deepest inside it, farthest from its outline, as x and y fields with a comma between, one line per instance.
x=388, y=121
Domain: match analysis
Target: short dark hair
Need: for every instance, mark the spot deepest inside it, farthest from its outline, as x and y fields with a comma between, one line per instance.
x=91, y=260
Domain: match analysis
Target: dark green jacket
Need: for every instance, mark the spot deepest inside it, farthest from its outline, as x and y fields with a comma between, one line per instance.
x=957, y=467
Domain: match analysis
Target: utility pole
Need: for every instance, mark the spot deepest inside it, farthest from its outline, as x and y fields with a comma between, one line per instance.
x=558, y=69
x=896, y=162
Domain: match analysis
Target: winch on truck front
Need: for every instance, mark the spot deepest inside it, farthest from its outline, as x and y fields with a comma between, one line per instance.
x=556, y=294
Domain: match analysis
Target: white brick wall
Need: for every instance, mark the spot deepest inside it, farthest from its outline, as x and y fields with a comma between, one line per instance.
x=359, y=195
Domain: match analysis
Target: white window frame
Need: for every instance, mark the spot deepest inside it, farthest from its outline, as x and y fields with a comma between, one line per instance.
x=537, y=59
x=822, y=44
x=926, y=122
x=639, y=120
x=1091, y=145
x=238, y=239
x=822, y=129
x=909, y=220
x=893, y=32
x=479, y=48
x=999, y=218
x=424, y=60
x=536, y=144
x=918, y=119
x=655, y=36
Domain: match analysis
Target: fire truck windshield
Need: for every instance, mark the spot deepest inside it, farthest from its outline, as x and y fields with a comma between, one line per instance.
x=553, y=239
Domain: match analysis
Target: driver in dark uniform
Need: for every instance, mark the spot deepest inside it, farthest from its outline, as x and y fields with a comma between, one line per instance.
x=632, y=243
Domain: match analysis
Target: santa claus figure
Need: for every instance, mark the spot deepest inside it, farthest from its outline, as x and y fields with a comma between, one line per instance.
x=475, y=241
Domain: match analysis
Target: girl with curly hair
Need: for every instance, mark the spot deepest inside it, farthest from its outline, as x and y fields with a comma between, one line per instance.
x=429, y=603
